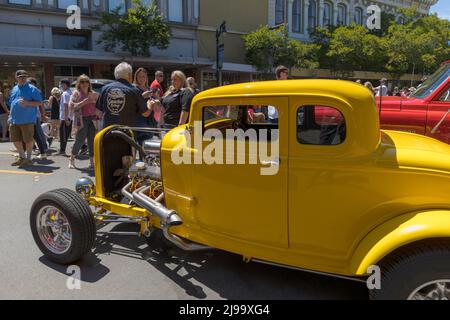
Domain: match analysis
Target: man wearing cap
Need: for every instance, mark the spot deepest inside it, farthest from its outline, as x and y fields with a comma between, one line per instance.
x=24, y=101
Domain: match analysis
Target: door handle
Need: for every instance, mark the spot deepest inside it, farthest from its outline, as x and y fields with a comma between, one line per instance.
x=433, y=131
x=274, y=162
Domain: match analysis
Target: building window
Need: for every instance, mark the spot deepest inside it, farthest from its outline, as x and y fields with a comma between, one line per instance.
x=114, y=4
x=312, y=15
x=327, y=14
x=359, y=15
x=71, y=40
x=64, y=4
x=280, y=8
x=342, y=14
x=22, y=2
x=297, y=15
x=320, y=125
x=175, y=10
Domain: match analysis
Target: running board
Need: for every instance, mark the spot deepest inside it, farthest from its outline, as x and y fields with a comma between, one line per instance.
x=309, y=271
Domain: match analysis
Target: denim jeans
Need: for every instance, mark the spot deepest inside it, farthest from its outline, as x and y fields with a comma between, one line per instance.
x=87, y=131
x=64, y=134
x=39, y=137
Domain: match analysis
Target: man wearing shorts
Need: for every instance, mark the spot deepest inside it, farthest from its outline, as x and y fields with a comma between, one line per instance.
x=24, y=101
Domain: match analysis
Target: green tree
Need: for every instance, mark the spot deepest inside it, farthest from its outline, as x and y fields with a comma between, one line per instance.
x=321, y=36
x=267, y=48
x=419, y=43
x=140, y=28
x=354, y=48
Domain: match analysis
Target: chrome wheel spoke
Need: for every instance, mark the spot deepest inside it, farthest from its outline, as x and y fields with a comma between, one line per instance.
x=54, y=229
x=433, y=290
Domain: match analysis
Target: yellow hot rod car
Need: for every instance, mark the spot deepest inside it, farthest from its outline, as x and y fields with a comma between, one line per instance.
x=339, y=196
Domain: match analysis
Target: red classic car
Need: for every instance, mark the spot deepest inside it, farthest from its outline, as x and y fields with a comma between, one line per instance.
x=426, y=112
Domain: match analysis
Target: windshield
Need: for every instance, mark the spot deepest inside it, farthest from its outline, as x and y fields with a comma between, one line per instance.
x=433, y=82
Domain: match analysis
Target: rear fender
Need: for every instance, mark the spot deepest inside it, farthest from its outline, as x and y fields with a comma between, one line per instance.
x=398, y=232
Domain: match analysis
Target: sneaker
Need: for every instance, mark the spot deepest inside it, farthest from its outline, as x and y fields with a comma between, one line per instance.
x=25, y=163
x=62, y=153
x=42, y=156
x=17, y=162
x=71, y=165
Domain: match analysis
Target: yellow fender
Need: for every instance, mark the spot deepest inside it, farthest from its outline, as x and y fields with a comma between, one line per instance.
x=396, y=233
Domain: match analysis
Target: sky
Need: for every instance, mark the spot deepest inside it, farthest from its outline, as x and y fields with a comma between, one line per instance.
x=442, y=8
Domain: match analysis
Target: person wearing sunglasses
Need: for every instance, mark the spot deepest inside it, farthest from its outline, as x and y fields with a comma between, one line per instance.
x=82, y=103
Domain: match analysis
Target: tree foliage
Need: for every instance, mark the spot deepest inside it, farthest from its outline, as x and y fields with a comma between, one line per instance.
x=354, y=48
x=417, y=41
x=267, y=48
x=140, y=28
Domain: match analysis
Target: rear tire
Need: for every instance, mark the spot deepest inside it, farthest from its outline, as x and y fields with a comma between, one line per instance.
x=416, y=273
x=62, y=225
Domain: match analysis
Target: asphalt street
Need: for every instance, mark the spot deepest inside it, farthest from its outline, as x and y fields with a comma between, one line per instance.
x=126, y=267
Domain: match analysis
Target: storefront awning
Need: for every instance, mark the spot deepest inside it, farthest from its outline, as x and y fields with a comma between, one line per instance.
x=37, y=55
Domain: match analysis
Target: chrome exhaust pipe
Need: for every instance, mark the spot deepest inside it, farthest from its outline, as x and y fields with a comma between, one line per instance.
x=181, y=243
x=169, y=218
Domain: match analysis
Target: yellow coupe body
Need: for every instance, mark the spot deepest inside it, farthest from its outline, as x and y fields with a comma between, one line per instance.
x=335, y=206
x=327, y=203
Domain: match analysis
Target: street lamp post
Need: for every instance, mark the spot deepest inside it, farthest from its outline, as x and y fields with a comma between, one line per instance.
x=219, y=52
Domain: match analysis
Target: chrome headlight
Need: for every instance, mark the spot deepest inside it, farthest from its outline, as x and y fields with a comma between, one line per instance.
x=85, y=186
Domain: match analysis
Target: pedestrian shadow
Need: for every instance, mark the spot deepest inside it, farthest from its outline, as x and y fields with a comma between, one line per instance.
x=86, y=171
x=43, y=161
x=39, y=168
x=225, y=273
x=91, y=269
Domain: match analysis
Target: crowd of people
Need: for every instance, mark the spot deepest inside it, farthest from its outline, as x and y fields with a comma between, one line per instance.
x=383, y=90
x=80, y=112
x=130, y=100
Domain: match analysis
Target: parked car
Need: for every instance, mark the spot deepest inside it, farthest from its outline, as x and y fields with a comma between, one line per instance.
x=425, y=112
x=345, y=198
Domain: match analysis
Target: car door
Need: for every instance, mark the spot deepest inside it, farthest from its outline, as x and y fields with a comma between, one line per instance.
x=323, y=190
x=438, y=122
x=237, y=200
x=403, y=114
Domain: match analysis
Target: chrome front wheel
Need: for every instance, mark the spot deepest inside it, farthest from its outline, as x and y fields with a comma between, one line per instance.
x=54, y=229
x=433, y=290
x=62, y=225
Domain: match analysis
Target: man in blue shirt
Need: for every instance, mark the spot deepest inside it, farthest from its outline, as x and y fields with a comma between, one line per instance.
x=24, y=101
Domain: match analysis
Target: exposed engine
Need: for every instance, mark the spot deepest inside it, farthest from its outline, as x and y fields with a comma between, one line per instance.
x=143, y=173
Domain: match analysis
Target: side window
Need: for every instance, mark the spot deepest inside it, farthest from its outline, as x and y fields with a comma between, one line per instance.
x=246, y=116
x=320, y=125
x=445, y=97
x=249, y=118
